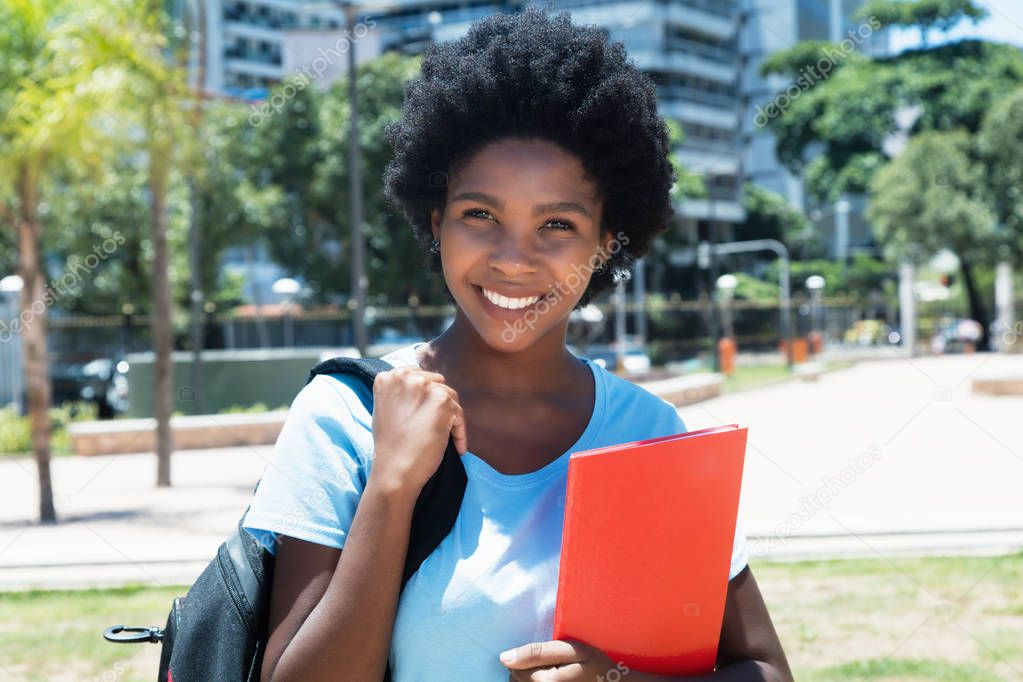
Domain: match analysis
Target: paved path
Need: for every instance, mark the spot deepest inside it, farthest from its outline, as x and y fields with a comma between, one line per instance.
x=886, y=456
x=890, y=456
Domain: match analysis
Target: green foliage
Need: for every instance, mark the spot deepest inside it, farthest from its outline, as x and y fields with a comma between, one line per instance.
x=923, y=14
x=1000, y=147
x=16, y=430
x=771, y=216
x=688, y=185
x=849, y=116
x=862, y=275
x=749, y=288
x=804, y=56
x=928, y=199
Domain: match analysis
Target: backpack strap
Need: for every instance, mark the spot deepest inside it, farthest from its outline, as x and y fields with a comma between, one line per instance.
x=439, y=501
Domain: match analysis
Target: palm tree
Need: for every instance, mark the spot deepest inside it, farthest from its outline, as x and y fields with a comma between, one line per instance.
x=47, y=105
x=74, y=79
x=154, y=97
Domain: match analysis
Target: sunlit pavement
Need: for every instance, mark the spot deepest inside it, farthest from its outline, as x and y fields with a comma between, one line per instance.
x=887, y=457
x=115, y=525
x=890, y=456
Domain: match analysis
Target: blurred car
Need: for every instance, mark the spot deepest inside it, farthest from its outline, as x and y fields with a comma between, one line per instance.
x=955, y=335
x=102, y=381
x=636, y=359
x=872, y=333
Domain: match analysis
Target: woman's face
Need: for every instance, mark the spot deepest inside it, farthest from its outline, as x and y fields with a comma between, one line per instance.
x=520, y=238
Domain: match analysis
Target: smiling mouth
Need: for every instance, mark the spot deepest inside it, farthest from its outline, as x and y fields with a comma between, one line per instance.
x=508, y=303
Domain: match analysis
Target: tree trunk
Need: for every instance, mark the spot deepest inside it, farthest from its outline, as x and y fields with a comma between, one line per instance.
x=159, y=171
x=32, y=325
x=977, y=310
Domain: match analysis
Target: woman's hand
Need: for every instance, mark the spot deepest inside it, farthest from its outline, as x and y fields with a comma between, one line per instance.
x=561, y=661
x=414, y=414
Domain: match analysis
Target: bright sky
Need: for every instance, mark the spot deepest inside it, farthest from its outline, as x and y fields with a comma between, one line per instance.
x=1003, y=24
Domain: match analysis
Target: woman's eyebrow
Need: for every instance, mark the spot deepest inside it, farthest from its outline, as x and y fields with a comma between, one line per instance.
x=553, y=207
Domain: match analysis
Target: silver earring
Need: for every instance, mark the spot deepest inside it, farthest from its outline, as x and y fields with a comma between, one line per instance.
x=435, y=246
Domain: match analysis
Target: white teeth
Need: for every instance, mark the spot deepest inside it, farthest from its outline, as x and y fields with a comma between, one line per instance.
x=510, y=303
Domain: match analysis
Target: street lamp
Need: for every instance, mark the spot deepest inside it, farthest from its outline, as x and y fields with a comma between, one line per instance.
x=287, y=287
x=726, y=284
x=815, y=285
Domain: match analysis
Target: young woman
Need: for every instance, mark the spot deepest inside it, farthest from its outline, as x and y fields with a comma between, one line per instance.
x=530, y=159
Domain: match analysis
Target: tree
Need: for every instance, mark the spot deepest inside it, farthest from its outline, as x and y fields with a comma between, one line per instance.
x=153, y=97
x=1000, y=146
x=49, y=102
x=303, y=145
x=922, y=14
x=931, y=197
x=834, y=133
x=770, y=216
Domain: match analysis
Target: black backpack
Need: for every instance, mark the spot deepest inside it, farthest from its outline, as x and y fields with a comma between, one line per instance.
x=218, y=630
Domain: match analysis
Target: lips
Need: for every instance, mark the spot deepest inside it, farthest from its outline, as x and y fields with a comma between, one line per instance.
x=510, y=302
x=499, y=307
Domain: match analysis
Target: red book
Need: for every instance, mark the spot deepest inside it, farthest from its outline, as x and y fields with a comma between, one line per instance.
x=646, y=548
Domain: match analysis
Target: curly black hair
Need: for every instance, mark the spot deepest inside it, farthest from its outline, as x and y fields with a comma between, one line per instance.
x=532, y=75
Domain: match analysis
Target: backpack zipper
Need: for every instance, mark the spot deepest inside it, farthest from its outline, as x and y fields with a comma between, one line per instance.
x=232, y=589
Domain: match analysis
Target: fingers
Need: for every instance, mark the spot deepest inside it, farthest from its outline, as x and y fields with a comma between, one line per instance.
x=541, y=654
x=459, y=432
x=434, y=383
x=562, y=673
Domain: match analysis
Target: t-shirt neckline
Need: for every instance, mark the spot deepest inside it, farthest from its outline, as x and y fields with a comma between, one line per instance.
x=478, y=468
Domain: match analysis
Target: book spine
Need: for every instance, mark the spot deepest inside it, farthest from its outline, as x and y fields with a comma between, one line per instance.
x=567, y=531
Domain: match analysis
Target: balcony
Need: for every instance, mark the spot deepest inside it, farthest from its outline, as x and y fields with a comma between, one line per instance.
x=685, y=63
x=714, y=53
x=720, y=7
x=687, y=94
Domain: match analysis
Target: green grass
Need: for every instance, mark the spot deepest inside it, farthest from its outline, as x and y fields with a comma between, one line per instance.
x=52, y=635
x=899, y=619
x=903, y=670
x=756, y=376
x=894, y=620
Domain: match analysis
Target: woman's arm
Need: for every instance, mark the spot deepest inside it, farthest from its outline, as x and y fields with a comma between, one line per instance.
x=331, y=611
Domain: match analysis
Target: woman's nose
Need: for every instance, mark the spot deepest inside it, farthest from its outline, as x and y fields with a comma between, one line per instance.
x=513, y=256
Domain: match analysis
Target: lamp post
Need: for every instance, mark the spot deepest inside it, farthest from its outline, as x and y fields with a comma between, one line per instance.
x=815, y=285
x=287, y=287
x=726, y=285
x=359, y=281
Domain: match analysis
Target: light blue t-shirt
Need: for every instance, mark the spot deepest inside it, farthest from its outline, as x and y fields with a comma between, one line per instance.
x=491, y=583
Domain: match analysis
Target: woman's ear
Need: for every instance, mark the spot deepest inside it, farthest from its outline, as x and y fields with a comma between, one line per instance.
x=605, y=247
x=435, y=219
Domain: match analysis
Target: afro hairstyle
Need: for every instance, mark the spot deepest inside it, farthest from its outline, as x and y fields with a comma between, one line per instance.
x=531, y=75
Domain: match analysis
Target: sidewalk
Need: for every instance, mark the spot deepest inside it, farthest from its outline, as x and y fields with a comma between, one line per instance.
x=888, y=457
x=115, y=525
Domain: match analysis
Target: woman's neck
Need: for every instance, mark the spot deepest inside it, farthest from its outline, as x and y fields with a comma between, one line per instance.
x=470, y=364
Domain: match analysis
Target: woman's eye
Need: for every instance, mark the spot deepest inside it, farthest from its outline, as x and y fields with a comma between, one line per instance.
x=476, y=213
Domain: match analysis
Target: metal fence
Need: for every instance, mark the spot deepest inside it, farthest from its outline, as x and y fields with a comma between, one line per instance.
x=12, y=385
x=669, y=329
